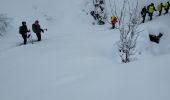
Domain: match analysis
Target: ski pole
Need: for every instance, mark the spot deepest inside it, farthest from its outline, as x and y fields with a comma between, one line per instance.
x=31, y=39
x=45, y=29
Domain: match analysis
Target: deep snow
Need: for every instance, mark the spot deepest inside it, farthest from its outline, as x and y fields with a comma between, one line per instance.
x=78, y=61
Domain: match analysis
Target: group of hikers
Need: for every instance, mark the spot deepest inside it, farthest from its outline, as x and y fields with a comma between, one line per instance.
x=97, y=15
x=36, y=28
x=151, y=9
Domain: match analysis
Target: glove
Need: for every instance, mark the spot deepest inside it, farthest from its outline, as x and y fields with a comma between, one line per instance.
x=42, y=30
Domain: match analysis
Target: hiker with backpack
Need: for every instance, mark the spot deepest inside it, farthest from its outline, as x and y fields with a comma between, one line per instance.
x=166, y=8
x=159, y=8
x=151, y=9
x=36, y=28
x=113, y=21
x=23, y=31
x=143, y=14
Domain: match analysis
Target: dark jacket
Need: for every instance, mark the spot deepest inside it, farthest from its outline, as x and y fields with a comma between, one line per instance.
x=36, y=28
x=23, y=29
x=143, y=12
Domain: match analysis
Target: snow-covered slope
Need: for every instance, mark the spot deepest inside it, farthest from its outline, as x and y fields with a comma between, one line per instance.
x=76, y=60
x=158, y=25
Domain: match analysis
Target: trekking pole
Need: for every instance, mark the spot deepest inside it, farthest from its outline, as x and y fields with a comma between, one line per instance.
x=108, y=22
x=31, y=39
x=45, y=29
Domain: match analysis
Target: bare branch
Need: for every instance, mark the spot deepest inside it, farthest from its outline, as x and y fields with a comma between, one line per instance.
x=128, y=23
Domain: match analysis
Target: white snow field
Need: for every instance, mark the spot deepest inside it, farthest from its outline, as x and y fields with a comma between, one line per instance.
x=77, y=60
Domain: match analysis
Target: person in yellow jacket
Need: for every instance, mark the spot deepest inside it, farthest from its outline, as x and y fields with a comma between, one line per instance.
x=159, y=8
x=166, y=8
x=151, y=9
x=113, y=21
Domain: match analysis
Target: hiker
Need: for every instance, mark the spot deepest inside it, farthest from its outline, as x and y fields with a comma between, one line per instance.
x=37, y=29
x=151, y=9
x=23, y=31
x=159, y=8
x=113, y=21
x=166, y=7
x=143, y=14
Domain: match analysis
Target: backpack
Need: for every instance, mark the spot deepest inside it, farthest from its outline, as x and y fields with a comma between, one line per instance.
x=151, y=9
x=34, y=28
x=166, y=5
x=159, y=7
x=21, y=30
x=113, y=18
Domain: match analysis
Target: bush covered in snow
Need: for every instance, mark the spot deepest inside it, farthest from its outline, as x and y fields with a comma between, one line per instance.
x=4, y=23
x=127, y=26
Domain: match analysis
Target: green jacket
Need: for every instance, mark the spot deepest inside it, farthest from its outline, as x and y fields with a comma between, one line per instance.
x=159, y=7
x=36, y=28
x=151, y=9
x=166, y=5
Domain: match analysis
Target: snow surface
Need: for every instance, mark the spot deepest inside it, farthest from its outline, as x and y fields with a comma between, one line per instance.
x=78, y=61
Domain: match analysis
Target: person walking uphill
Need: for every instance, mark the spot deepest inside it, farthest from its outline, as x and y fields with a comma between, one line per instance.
x=23, y=31
x=113, y=21
x=151, y=9
x=143, y=14
x=37, y=29
x=159, y=8
x=166, y=8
